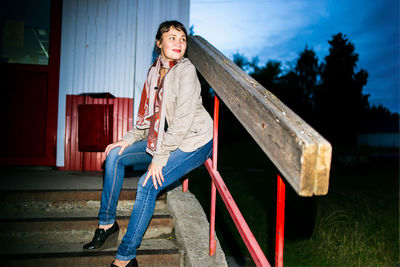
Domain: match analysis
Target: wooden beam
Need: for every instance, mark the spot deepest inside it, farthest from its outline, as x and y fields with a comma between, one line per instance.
x=301, y=154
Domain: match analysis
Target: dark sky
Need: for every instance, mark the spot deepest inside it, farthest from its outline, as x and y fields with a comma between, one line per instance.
x=280, y=30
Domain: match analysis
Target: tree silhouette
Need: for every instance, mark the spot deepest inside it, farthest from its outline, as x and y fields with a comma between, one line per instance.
x=380, y=119
x=340, y=103
x=307, y=70
x=298, y=86
x=268, y=76
x=328, y=95
x=240, y=60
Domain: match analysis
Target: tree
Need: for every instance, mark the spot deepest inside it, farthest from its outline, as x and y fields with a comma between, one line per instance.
x=191, y=30
x=340, y=103
x=298, y=86
x=328, y=95
x=267, y=76
x=380, y=119
x=307, y=70
x=240, y=60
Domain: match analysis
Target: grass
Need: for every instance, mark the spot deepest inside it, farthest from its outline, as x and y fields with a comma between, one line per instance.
x=356, y=224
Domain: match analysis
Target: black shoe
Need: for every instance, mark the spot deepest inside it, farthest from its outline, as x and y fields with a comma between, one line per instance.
x=103, y=239
x=132, y=263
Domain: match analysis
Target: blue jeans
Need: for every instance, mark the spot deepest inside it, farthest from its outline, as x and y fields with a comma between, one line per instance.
x=179, y=164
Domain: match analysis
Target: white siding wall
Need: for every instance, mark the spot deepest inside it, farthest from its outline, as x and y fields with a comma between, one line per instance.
x=107, y=46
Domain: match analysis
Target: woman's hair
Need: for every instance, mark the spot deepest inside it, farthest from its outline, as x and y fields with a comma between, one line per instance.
x=166, y=26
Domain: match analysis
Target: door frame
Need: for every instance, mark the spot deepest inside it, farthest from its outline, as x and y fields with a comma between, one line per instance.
x=53, y=69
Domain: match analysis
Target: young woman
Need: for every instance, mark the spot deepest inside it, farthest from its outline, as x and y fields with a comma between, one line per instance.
x=173, y=134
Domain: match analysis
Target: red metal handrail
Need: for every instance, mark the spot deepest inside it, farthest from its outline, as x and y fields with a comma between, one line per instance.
x=213, y=243
x=280, y=222
x=218, y=183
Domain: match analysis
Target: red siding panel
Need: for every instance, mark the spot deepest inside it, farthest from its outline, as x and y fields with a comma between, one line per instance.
x=92, y=161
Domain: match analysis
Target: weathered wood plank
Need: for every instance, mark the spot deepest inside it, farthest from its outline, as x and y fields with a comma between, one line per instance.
x=301, y=154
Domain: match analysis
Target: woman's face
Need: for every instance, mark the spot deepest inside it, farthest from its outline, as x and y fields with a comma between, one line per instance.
x=173, y=44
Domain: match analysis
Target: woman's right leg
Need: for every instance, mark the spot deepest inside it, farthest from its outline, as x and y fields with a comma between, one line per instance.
x=114, y=176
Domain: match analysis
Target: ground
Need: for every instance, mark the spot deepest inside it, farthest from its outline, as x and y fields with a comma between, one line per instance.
x=355, y=224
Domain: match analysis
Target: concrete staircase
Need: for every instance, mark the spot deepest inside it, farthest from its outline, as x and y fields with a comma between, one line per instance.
x=45, y=222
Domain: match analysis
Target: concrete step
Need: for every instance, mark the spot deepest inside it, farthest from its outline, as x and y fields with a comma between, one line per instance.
x=54, y=229
x=46, y=218
x=152, y=252
x=36, y=179
x=27, y=203
x=61, y=195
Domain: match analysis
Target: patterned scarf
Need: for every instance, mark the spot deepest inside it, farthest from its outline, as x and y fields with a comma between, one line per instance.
x=151, y=114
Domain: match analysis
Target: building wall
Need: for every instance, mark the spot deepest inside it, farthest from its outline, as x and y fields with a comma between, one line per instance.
x=379, y=139
x=107, y=46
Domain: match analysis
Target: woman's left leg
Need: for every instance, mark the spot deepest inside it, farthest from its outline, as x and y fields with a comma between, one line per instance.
x=179, y=163
x=114, y=176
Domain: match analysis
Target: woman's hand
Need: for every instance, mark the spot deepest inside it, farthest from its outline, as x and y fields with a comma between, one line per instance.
x=122, y=143
x=154, y=171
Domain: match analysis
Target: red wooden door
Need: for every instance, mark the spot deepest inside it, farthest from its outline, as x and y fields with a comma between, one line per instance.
x=29, y=77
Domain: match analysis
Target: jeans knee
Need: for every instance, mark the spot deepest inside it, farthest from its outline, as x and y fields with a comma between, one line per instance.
x=113, y=155
x=148, y=189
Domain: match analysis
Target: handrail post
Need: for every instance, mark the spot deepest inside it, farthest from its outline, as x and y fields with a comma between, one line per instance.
x=280, y=222
x=215, y=133
x=213, y=243
x=185, y=185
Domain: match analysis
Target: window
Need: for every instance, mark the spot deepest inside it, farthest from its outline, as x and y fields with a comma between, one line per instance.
x=24, y=31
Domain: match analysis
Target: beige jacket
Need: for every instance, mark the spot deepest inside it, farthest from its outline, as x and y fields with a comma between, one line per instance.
x=189, y=124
